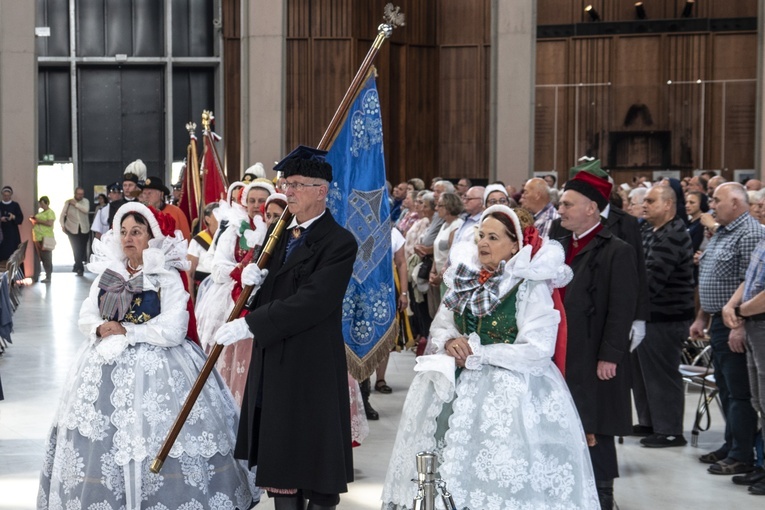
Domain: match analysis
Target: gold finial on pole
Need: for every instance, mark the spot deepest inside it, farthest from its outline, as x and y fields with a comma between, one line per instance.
x=207, y=119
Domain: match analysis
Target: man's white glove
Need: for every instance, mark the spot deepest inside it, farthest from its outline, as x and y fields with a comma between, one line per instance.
x=253, y=276
x=232, y=332
x=637, y=334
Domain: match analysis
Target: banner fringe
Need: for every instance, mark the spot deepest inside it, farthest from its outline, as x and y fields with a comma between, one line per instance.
x=362, y=368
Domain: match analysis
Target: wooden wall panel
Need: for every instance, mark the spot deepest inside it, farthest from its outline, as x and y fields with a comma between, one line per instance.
x=298, y=113
x=460, y=125
x=636, y=80
x=687, y=62
x=566, y=12
x=331, y=18
x=332, y=72
x=735, y=147
x=549, y=145
x=461, y=22
x=556, y=12
x=587, y=106
x=734, y=56
x=394, y=114
x=421, y=114
x=551, y=61
x=735, y=9
x=299, y=19
x=731, y=105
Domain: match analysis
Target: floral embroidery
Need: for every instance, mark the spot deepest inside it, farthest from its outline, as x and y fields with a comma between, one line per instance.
x=71, y=468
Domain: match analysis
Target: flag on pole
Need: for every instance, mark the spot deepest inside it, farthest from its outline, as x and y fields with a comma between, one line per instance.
x=190, y=193
x=358, y=200
x=214, y=184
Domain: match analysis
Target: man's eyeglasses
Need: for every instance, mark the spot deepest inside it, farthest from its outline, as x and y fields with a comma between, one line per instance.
x=495, y=201
x=297, y=186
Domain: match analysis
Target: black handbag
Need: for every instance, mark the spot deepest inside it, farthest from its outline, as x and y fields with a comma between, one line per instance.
x=425, y=266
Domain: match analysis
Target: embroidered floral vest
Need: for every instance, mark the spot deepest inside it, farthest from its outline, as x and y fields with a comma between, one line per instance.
x=500, y=327
x=143, y=307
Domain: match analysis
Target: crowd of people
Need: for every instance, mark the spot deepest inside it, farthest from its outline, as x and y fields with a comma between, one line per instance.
x=537, y=315
x=654, y=263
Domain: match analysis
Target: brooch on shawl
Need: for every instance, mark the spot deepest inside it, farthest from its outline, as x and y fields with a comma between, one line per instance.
x=480, y=288
x=118, y=293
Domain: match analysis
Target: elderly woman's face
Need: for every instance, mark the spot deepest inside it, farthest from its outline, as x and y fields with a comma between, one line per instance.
x=135, y=237
x=494, y=244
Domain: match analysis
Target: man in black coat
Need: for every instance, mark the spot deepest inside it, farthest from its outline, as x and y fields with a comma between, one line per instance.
x=295, y=423
x=600, y=304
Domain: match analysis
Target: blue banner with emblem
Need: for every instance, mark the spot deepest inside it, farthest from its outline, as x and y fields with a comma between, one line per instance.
x=358, y=200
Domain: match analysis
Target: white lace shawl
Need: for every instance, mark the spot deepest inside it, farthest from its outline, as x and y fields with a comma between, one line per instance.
x=536, y=317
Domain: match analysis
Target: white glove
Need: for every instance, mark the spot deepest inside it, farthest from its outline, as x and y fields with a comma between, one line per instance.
x=253, y=276
x=232, y=332
x=637, y=334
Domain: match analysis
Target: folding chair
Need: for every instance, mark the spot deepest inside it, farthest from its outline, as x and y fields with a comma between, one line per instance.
x=698, y=371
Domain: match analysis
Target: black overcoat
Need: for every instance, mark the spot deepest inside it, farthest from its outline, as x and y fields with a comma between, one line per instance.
x=600, y=305
x=295, y=423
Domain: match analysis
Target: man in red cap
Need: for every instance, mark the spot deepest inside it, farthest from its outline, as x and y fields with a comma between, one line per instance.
x=600, y=304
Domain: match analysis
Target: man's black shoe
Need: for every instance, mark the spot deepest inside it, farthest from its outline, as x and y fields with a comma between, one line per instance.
x=757, y=489
x=663, y=441
x=752, y=478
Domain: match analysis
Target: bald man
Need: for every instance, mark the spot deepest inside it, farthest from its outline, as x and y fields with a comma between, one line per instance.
x=473, y=202
x=753, y=185
x=722, y=268
x=656, y=382
x=536, y=199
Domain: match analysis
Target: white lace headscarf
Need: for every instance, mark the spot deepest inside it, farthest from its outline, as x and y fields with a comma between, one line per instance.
x=109, y=248
x=262, y=184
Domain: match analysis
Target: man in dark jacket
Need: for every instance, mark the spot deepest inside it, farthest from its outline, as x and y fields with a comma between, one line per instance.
x=295, y=423
x=600, y=304
x=657, y=383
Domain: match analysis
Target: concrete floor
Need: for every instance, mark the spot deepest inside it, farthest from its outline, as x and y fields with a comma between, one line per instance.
x=46, y=338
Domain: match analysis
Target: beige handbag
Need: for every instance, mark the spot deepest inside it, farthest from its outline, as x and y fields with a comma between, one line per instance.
x=48, y=243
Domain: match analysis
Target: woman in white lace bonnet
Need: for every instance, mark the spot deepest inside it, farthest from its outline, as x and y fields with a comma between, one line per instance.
x=129, y=381
x=491, y=402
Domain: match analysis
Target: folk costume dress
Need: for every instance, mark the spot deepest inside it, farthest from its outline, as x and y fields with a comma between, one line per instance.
x=124, y=392
x=504, y=427
x=234, y=246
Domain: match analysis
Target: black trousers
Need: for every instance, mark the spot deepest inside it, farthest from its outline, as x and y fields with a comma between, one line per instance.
x=603, y=456
x=79, y=242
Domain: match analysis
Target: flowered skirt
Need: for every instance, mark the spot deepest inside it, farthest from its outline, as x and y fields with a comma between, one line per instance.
x=504, y=439
x=112, y=420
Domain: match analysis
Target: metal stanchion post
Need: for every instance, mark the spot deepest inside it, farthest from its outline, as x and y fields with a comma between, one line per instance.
x=427, y=482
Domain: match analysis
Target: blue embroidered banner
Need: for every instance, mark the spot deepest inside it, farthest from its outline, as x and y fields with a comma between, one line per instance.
x=358, y=199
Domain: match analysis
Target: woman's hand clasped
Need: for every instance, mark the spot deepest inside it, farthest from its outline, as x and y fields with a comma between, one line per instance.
x=110, y=328
x=459, y=349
